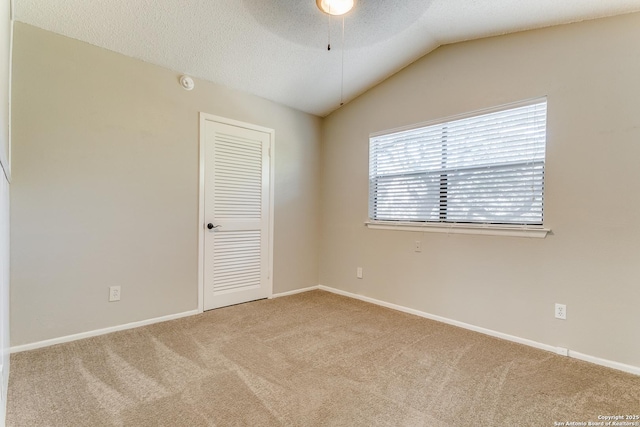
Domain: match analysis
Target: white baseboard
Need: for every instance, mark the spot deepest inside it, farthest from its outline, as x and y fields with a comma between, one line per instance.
x=95, y=333
x=293, y=292
x=605, y=362
x=576, y=355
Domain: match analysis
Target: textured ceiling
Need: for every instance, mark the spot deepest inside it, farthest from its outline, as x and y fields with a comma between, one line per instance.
x=277, y=49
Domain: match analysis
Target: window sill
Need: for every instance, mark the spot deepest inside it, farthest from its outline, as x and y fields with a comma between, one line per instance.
x=487, y=230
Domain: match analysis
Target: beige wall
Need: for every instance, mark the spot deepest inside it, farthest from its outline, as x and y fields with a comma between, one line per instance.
x=5, y=68
x=105, y=188
x=5, y=176
x=590, y=73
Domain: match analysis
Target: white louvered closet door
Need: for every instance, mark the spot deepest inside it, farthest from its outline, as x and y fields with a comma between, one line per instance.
x=236, y=243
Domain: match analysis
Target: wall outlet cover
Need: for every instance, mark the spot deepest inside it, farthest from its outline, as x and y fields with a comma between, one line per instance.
x=561, y=311
x=114, y=293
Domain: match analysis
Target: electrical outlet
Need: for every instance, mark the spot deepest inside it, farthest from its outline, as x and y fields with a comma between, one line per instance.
x=418, y=246
x=561, y=311
x=114, y=293
x=359, y=273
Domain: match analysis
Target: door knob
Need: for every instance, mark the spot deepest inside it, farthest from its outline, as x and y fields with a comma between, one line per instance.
x=211, y=226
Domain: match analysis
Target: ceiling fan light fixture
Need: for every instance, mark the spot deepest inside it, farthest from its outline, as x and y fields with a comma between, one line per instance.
x=335, y=7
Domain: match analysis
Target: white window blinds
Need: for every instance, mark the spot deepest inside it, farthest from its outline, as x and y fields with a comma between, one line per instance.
x=486, y=169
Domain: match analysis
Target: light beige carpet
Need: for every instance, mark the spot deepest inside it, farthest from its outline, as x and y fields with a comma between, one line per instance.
x=313, y=359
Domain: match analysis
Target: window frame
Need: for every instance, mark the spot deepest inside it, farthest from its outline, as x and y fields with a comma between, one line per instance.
x=516, y=230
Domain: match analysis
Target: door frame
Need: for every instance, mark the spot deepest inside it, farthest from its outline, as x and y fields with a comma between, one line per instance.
x=204, y=118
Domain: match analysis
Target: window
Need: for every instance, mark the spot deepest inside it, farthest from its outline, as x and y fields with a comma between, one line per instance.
x=482, y=169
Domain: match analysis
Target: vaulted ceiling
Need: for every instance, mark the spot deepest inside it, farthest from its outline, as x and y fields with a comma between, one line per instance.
x=277, y=49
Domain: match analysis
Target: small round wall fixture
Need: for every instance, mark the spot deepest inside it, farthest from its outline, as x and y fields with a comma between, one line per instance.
x=335, y=7
x=187, y=83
